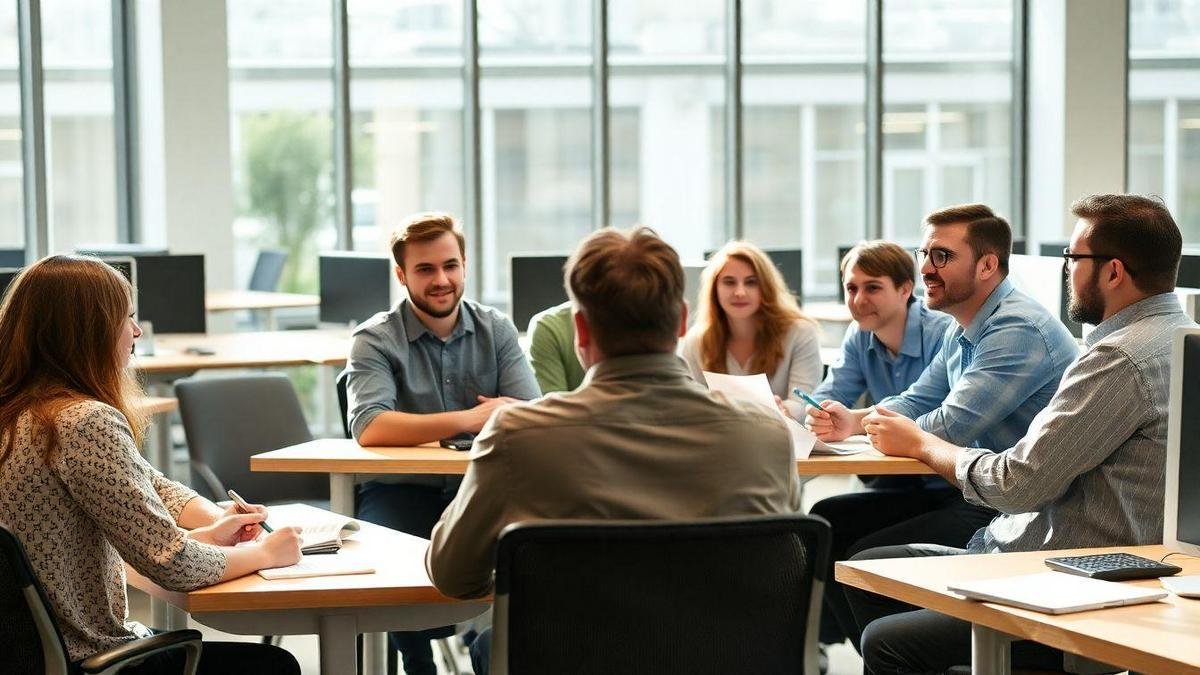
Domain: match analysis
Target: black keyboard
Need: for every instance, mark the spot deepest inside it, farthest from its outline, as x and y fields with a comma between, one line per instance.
x=1113, y=566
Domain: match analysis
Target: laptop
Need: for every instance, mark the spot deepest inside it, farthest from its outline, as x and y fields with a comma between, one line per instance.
x=1056, y=593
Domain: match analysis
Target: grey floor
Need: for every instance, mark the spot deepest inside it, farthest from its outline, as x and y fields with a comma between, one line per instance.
x=843, y=660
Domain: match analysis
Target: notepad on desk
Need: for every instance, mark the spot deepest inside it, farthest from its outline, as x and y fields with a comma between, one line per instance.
x=327, y=536
x=1056, y=593
x=318, y=566
x=850, y=446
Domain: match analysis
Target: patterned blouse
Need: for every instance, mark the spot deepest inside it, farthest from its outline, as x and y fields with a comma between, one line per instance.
x=99, y=503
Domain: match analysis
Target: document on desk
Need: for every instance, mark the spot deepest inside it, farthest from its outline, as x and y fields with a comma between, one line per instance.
x=325, y=565
x=850, y=446
x=323, y=536
x=757, y=388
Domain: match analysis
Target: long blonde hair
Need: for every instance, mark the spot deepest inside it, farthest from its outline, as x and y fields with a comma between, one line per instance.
x=59, y=323
x=777, y=312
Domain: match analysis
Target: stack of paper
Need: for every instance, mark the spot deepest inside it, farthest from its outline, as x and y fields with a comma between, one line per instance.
x=758, y=389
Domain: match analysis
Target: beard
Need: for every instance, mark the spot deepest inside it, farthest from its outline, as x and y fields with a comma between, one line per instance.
x=952, y=294
x=429, y=309
x=1088, y=306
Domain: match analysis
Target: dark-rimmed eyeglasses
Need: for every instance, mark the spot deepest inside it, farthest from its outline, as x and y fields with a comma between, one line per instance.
x=1069, y=257
x=938, y=256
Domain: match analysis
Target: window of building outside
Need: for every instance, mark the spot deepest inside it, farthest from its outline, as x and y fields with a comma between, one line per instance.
x=281, y=131
x=406, y=97
x=535, y=132
x=667, y=91
x=947, y=117
x=803, y=93
x=81, y=187
x=1164, y=107
x=12, y=216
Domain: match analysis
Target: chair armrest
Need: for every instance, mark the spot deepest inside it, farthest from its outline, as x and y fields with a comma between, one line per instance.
x=138, y=649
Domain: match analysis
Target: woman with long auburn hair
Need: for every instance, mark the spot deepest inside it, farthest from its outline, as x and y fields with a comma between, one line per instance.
x=748, y=323
x=75, y=490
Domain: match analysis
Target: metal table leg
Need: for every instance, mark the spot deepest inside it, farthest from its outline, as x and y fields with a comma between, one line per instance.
x=990, y=652
x=337, y=644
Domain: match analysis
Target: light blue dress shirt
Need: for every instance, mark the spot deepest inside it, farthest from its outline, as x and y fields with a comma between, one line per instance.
x=992, y=378
x=867, y=366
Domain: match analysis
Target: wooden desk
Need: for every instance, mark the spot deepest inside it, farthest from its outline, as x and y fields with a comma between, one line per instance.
x=245, y=350
x=398, y=596
x=344, y=459
x=1153, y=638
x=263, y=301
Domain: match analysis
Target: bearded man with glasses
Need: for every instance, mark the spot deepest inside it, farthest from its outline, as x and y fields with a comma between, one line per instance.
x=1000, y=363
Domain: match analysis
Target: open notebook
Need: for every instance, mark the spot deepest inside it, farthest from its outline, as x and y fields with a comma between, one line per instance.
x=850, y=446
x=325, y=536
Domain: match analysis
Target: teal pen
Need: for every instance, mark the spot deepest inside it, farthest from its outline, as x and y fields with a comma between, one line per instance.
x=807, y=399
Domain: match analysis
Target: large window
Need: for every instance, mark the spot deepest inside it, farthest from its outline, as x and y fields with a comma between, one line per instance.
x=80, y=156
x=406, y=94
x=1164, y=107
x=535, y=130
x=947, y=119
x=12, y=223
x=802, y=156
x=666, y=62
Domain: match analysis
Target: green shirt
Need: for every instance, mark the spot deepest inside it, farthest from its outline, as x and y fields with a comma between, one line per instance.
x=552, y=349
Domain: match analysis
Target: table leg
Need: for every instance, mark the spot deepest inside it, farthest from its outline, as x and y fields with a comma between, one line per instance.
x=374, y=653
x=269, y=319
x=990, y=651
x=337, y=644
x=328, y=409
x=160, y=454
x=341, y=493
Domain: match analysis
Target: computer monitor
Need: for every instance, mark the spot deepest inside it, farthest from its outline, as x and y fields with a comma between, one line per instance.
x=171, y=292
x=12, y=258
x=1189, y=271
x=789, y=262
x=6, y=277
x=1052, y=249
x=354, y=286
x=127, y=266
x=535, y=283
x=1043, y=279
x=1181, y=507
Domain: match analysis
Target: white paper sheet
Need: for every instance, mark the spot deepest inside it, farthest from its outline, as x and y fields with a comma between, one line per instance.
x=757, y=388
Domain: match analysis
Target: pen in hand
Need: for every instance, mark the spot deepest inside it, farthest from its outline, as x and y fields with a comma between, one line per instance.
x=807, y=399
x=245, y=508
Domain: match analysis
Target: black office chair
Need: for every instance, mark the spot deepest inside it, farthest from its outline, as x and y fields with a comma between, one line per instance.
x=731, y=595
x=343, y=404
x=226, y=420
x=268, y=269
x=34, y=646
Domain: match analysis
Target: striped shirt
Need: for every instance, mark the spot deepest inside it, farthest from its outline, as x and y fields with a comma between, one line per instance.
x=1090, y=472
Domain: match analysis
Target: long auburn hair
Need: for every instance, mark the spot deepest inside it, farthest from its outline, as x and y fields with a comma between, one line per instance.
x=777, y=312
x=59, y=323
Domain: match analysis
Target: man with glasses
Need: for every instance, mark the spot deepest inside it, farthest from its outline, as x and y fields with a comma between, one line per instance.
x=998, y=367
x=1090, y=470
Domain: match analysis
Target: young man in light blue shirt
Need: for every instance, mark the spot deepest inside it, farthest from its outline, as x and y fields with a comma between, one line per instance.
x=894, y=336
x=998, y=367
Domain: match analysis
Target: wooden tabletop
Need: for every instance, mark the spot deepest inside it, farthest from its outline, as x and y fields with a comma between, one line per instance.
x=246, y=350
x=226, y=301
x=399, y=578
x=1158, y=637
x=153, y=405
x=337, y=455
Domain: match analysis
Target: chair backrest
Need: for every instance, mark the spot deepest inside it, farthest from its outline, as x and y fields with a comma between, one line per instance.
x=710, y=596
x=343, y=403
x=226, y=420
x=268, y=269
x=32, y=643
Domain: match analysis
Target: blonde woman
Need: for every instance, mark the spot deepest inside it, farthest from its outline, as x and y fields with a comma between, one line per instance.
x=77, y=494
x=748, y=323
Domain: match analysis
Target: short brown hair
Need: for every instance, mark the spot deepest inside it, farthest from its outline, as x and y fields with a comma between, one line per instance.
x=986, y=232
x=1140, y=232
x=629, y=286
x=881, y=258
x=423, y=227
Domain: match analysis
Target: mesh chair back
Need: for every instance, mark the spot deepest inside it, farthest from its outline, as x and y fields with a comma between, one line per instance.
x=716, y=596
x=32, y=643
x=226, y=420
x=268, y=269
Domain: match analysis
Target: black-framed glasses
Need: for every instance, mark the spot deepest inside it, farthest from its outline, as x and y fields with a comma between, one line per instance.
x=938, y=256
x=1069, y=257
